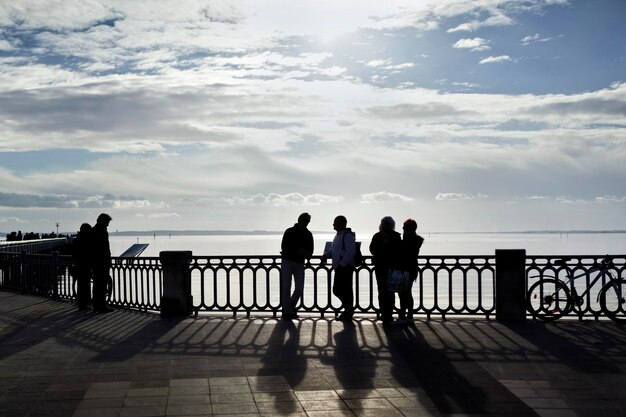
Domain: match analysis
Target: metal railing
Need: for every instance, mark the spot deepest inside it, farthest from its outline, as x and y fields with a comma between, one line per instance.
x=445, y=286
x=136, y=282
x=539, y=267
x=32, y=246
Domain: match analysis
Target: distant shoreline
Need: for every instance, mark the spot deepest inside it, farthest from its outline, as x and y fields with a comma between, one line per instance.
x=269, y=232
x=274, y=233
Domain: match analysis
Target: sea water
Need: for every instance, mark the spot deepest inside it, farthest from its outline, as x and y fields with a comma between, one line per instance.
x=435, y=244
x=446, y=292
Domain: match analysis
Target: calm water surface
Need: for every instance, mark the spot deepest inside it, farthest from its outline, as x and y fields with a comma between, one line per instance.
x=435, y=244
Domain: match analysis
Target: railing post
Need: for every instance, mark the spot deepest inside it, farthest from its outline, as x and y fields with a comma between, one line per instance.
x=54, y=279
x=177, y=299
x=511, y=284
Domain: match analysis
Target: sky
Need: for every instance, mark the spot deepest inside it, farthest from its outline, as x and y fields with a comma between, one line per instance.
x=467, y=115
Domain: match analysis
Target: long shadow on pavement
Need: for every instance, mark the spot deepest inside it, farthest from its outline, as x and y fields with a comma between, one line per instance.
x=455, y=384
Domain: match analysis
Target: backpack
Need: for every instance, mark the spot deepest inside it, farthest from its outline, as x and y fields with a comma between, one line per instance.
x=358, y=256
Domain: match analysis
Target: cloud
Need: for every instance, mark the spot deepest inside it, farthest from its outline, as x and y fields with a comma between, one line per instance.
x=459, y=196
x=157, y=215
x=497, y=18
x=611, y=199
x=6, y=46
x=496, y=59
x=475, y=44
x=290, y=199
x=11, y=220
x=569, y=200
x=67, y=201
x=527, y=40
x=383, y=197
x=425, y=111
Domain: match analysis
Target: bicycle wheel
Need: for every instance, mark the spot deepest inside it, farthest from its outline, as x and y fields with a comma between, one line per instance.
x=548, y=299
x=613, y=300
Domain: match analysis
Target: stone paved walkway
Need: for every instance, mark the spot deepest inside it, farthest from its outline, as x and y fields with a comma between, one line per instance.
x=56, y=361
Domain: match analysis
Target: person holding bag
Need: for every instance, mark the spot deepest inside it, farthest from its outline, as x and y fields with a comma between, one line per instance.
x=410, y=250
x=385, y=248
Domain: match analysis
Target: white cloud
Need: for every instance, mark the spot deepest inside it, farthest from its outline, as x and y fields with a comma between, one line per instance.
x=378, y=63
x=11, y=220
x=157, y=215
x=290, y=199
x=383, y=197
x=174, y=102
x=496, y=59
x=611, y=199
x=498, y=18
x=475, y=44
x=527, y=40
x=459, y=196
x=6, y=45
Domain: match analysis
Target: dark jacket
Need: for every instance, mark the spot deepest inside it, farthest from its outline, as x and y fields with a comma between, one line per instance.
x=297, y=244
x=411, y=245
x=81, y=252
x=99, y=247
x=385, y=248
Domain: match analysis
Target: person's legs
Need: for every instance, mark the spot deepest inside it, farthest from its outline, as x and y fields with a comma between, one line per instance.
x=347, y=293
x=386, y=299
x=298, y=277
x=286, y=270
x=83, y=288
x=406, y=303
x=342, y=288
x=100, y=278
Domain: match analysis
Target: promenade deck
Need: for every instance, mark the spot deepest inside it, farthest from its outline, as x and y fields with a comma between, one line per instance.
x=56, y=361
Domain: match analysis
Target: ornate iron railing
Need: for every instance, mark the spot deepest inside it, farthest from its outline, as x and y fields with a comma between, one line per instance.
x=583, y=266
x=136, y=282
x=246, y=284
x=32, y=246
x=446, y=285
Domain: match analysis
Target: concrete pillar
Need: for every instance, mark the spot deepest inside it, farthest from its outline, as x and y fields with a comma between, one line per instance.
x=177, y=299
x=511, y=284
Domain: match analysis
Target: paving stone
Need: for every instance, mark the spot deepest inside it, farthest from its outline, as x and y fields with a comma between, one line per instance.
x=130, y=361
x=188, y=409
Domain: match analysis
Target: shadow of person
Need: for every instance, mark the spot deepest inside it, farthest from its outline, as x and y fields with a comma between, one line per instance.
x=453, y=382
x=283, y=360
x=355, y=367
x=575, y=344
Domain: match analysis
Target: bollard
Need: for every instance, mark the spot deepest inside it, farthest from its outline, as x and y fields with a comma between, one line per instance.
x=511, y=284
x=177, y=299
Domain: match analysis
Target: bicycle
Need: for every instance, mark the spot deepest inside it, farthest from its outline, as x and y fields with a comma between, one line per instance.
x=550, y=298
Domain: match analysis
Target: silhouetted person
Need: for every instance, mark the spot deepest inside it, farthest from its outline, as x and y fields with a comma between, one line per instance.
x=411, y=244
x=101, y=262
x=81, y=255
x=296, y=246
x=385, y=248
x=342, y=253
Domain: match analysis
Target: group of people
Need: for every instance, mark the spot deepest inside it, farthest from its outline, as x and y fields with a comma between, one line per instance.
x=92, y=260
x=390, y=251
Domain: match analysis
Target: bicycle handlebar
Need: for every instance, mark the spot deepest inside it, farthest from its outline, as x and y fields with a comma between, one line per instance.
x=606, y=262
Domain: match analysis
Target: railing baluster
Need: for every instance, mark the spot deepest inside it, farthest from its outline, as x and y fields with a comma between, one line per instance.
x=138, y=283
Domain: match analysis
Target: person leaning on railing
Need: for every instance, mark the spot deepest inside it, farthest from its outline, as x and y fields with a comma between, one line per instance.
x=82, y=267
x=296, y=246
x=385, y=248
x=100, y=262
x=342, y=254
x=410, y=250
